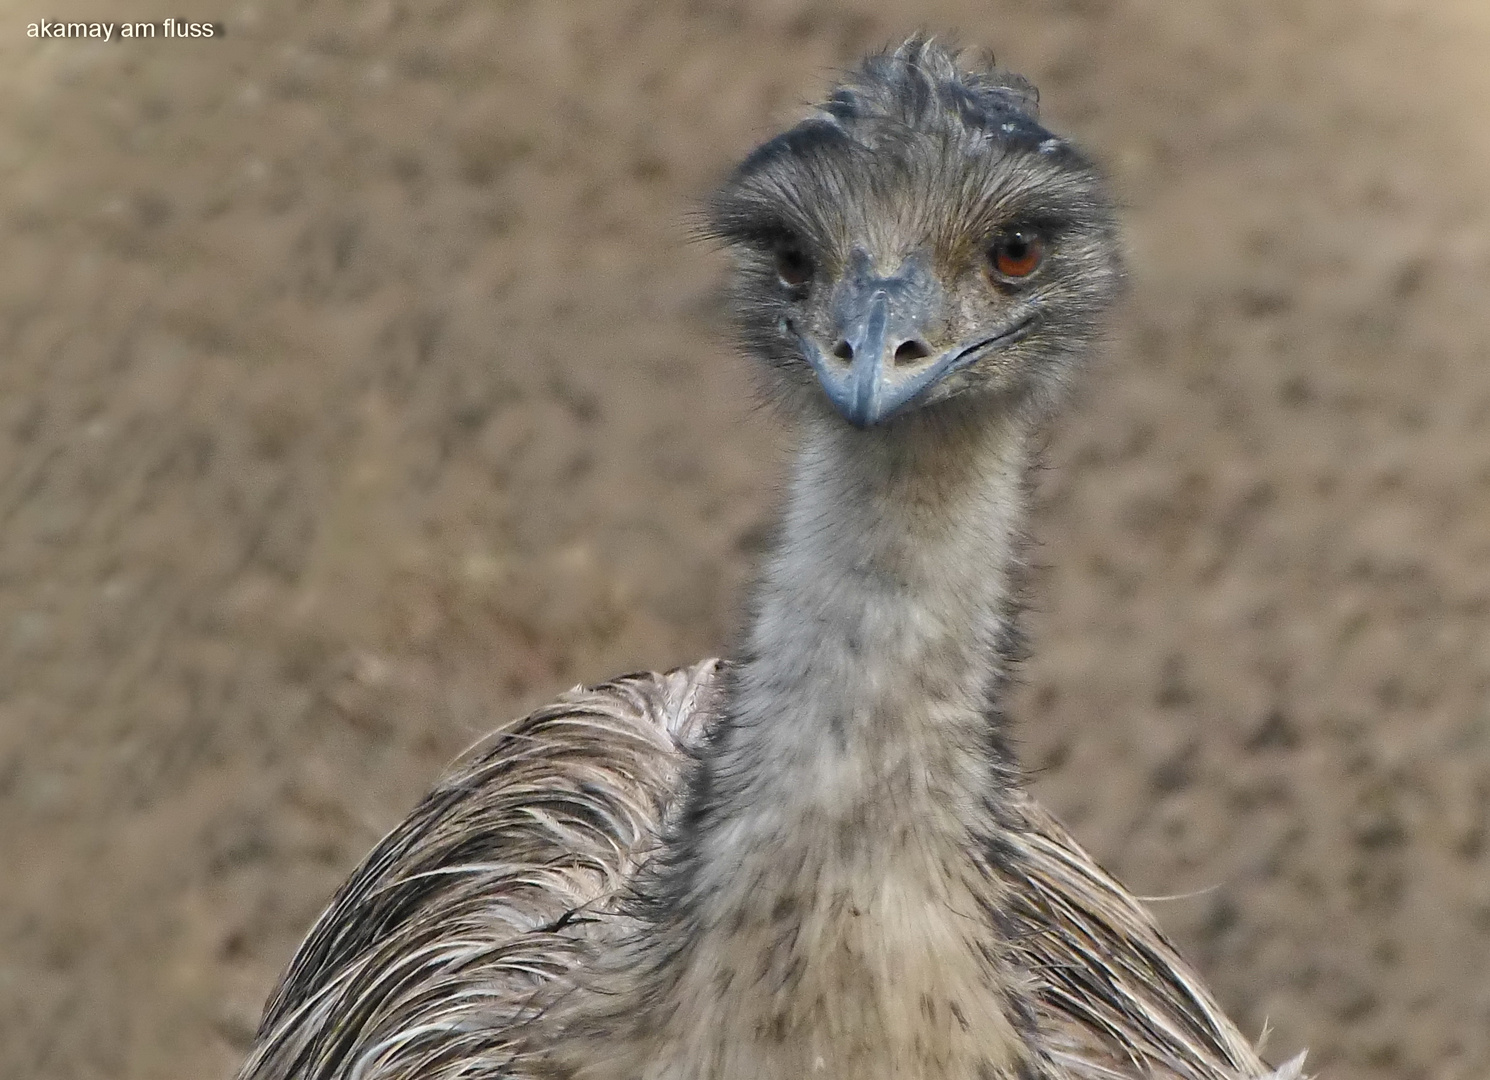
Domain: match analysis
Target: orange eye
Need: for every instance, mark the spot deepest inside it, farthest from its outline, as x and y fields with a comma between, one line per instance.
x=1017, y=253
x=793, y=266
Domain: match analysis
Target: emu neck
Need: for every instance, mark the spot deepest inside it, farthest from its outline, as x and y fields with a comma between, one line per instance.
x=880, y=619
x=833, y=916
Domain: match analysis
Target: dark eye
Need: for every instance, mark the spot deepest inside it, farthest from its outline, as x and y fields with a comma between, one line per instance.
x=1017, y=253
x=793, y=265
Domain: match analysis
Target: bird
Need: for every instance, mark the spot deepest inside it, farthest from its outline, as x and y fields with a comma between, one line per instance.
x=820, y=857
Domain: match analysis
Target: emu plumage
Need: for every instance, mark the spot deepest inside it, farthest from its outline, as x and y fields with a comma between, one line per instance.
x=817, y=859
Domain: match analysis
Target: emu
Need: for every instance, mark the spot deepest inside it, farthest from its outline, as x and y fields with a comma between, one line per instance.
x=818, y=858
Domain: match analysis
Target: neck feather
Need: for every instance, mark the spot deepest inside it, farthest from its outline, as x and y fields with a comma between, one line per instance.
x=882, y=621
x=823, y=899
x=891, y=585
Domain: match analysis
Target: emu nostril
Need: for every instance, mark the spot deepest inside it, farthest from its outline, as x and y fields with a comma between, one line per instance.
x=843, y=350
x=911, y=350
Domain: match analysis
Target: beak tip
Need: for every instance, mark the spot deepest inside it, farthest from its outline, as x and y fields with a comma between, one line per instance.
x=851, y=407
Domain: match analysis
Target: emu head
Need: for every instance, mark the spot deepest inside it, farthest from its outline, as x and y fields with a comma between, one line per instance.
x=918, y=238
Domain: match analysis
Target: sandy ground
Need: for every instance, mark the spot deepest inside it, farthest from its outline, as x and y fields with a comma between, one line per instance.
x=359, y=387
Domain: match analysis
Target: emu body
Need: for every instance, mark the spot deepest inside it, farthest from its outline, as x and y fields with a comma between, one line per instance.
x=818, y=859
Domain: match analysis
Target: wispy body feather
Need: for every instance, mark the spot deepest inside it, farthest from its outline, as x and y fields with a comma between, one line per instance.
x=445, y=939
x=434, y=957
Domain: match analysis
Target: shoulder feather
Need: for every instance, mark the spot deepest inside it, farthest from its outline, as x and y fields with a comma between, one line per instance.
x=433, y=950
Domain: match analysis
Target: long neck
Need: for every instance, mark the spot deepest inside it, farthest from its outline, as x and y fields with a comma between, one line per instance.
x=823, y=906
x=880, y=624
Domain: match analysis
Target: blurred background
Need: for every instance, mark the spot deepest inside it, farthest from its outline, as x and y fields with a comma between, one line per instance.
x=359, y=387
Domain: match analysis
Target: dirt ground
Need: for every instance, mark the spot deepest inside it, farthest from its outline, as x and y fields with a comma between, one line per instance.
x=359, y=387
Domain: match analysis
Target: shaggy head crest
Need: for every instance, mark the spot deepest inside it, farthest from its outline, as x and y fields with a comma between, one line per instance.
x=922, y=81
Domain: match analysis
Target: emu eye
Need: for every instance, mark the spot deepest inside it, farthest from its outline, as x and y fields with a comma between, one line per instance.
x=1017, y=254
x=793, y=266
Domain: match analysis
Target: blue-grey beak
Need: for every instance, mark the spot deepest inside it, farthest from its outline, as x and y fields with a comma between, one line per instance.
x=882, y=360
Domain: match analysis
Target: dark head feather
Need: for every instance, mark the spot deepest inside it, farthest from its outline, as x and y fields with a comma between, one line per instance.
x=916, y=160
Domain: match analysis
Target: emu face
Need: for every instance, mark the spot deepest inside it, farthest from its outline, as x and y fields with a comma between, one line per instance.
x=920, y=237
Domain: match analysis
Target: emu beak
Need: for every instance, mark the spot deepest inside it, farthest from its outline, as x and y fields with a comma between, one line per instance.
x=876, y=366
x=882, y=361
